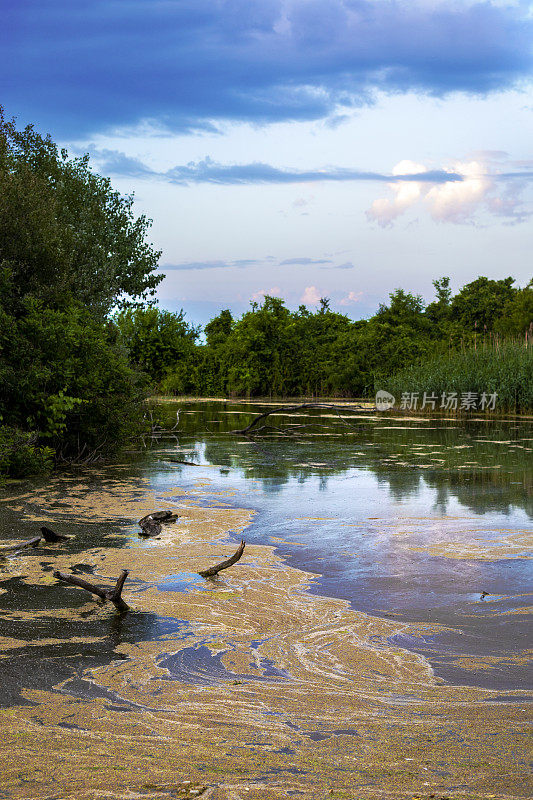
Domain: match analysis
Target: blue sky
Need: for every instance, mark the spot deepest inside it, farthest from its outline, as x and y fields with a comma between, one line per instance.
x=303, y=148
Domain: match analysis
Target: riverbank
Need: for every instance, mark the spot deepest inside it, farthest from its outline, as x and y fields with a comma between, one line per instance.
x=246, y=686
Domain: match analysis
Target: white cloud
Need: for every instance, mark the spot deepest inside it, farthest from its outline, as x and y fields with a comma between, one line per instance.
x=351, y=298
x=311, y=296
x=455, y=201
x=406, y=193
x=262, y=293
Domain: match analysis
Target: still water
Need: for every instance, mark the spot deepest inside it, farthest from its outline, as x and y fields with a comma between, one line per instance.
x=417, y=519
x=422, y=520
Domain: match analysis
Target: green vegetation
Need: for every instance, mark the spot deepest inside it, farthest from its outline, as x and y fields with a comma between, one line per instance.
x=70, y=251
x=504, y=367
x=81, y=343
x=476, y=341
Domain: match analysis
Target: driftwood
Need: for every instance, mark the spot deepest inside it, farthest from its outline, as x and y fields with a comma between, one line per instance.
x=46, y=534
x=83, y=456
x=252, y=428
x=150, y=528
x=179, y=461
x=13, y=549
x=105, y=594
x=160, y=516
x=208, y=573
x=151, y=523
x=51, y=536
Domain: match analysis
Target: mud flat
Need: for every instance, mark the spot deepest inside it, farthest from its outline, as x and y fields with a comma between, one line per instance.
x=243, y=686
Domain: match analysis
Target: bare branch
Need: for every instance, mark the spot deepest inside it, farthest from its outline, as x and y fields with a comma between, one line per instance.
x=288, y=409
x=13, y=549
x=208, y=573
x=105, y=594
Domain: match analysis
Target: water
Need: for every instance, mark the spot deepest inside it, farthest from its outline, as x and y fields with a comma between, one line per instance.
x=422, y=520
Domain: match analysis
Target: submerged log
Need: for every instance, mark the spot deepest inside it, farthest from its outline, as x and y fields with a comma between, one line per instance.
x=150, y=527
x=51, y=536
x=251, y=429
x=208, y=573
x=13, y=549
x=105, y=594
x=151, y=523
x=161, y=516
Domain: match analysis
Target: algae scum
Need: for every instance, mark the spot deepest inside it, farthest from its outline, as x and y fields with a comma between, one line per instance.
x=371, y=642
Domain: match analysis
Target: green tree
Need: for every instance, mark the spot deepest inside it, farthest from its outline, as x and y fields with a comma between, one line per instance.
x=158, y=341
x=517, y=315
x=481, y=303
x=64, y=231
x=70, y=250
x=219, y=328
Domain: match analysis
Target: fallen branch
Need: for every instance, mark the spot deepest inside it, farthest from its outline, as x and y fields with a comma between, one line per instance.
x=105, y=594
x=179, y=461
x=9, y=548
x=208, y=573
x=288, y=409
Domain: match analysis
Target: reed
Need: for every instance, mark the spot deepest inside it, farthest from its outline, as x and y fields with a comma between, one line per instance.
x=487, y=364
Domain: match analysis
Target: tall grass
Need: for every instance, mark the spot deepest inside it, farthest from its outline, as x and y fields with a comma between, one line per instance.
x=503, y=366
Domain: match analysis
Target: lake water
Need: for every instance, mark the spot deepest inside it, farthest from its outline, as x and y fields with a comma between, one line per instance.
x=422, y=520
x=418, y=519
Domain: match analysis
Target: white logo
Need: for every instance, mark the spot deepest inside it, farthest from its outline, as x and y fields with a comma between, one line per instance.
x=384, y=400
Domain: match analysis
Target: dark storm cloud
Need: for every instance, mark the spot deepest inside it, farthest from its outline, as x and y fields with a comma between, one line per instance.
x=87, y=65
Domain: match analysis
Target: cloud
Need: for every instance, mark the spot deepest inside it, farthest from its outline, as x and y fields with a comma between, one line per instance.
x=311, y=296
x=188, y=65
x=300, y=202
x=196, y=265
x=483, y=186
x=262, y=293
x=112, y=162
x=351, y=298
x=116, y=163
x=305, y=261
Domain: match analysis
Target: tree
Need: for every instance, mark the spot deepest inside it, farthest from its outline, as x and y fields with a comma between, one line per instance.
x=480, y=303
x=517, y=316
x=158, y=341
x=64, y=232
x=218, y=330
x=70, y=250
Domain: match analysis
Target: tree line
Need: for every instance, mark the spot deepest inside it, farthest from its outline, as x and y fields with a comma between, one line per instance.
x=271, y=351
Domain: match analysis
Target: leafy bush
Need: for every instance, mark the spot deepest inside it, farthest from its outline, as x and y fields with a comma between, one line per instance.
x=19, y=454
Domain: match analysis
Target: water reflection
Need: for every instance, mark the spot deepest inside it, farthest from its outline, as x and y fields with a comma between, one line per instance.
x=406, y=519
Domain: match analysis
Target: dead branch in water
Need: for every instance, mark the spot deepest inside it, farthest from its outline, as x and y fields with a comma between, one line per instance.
x=46, y=534
x=251, y=429
x=105, y=594
x=14, y=549
x=208, y=573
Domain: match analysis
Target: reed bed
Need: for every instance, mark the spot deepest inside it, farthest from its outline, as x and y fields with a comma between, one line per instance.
x=492, y=365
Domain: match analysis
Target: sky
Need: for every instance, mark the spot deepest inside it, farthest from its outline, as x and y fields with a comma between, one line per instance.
x=297, y=148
